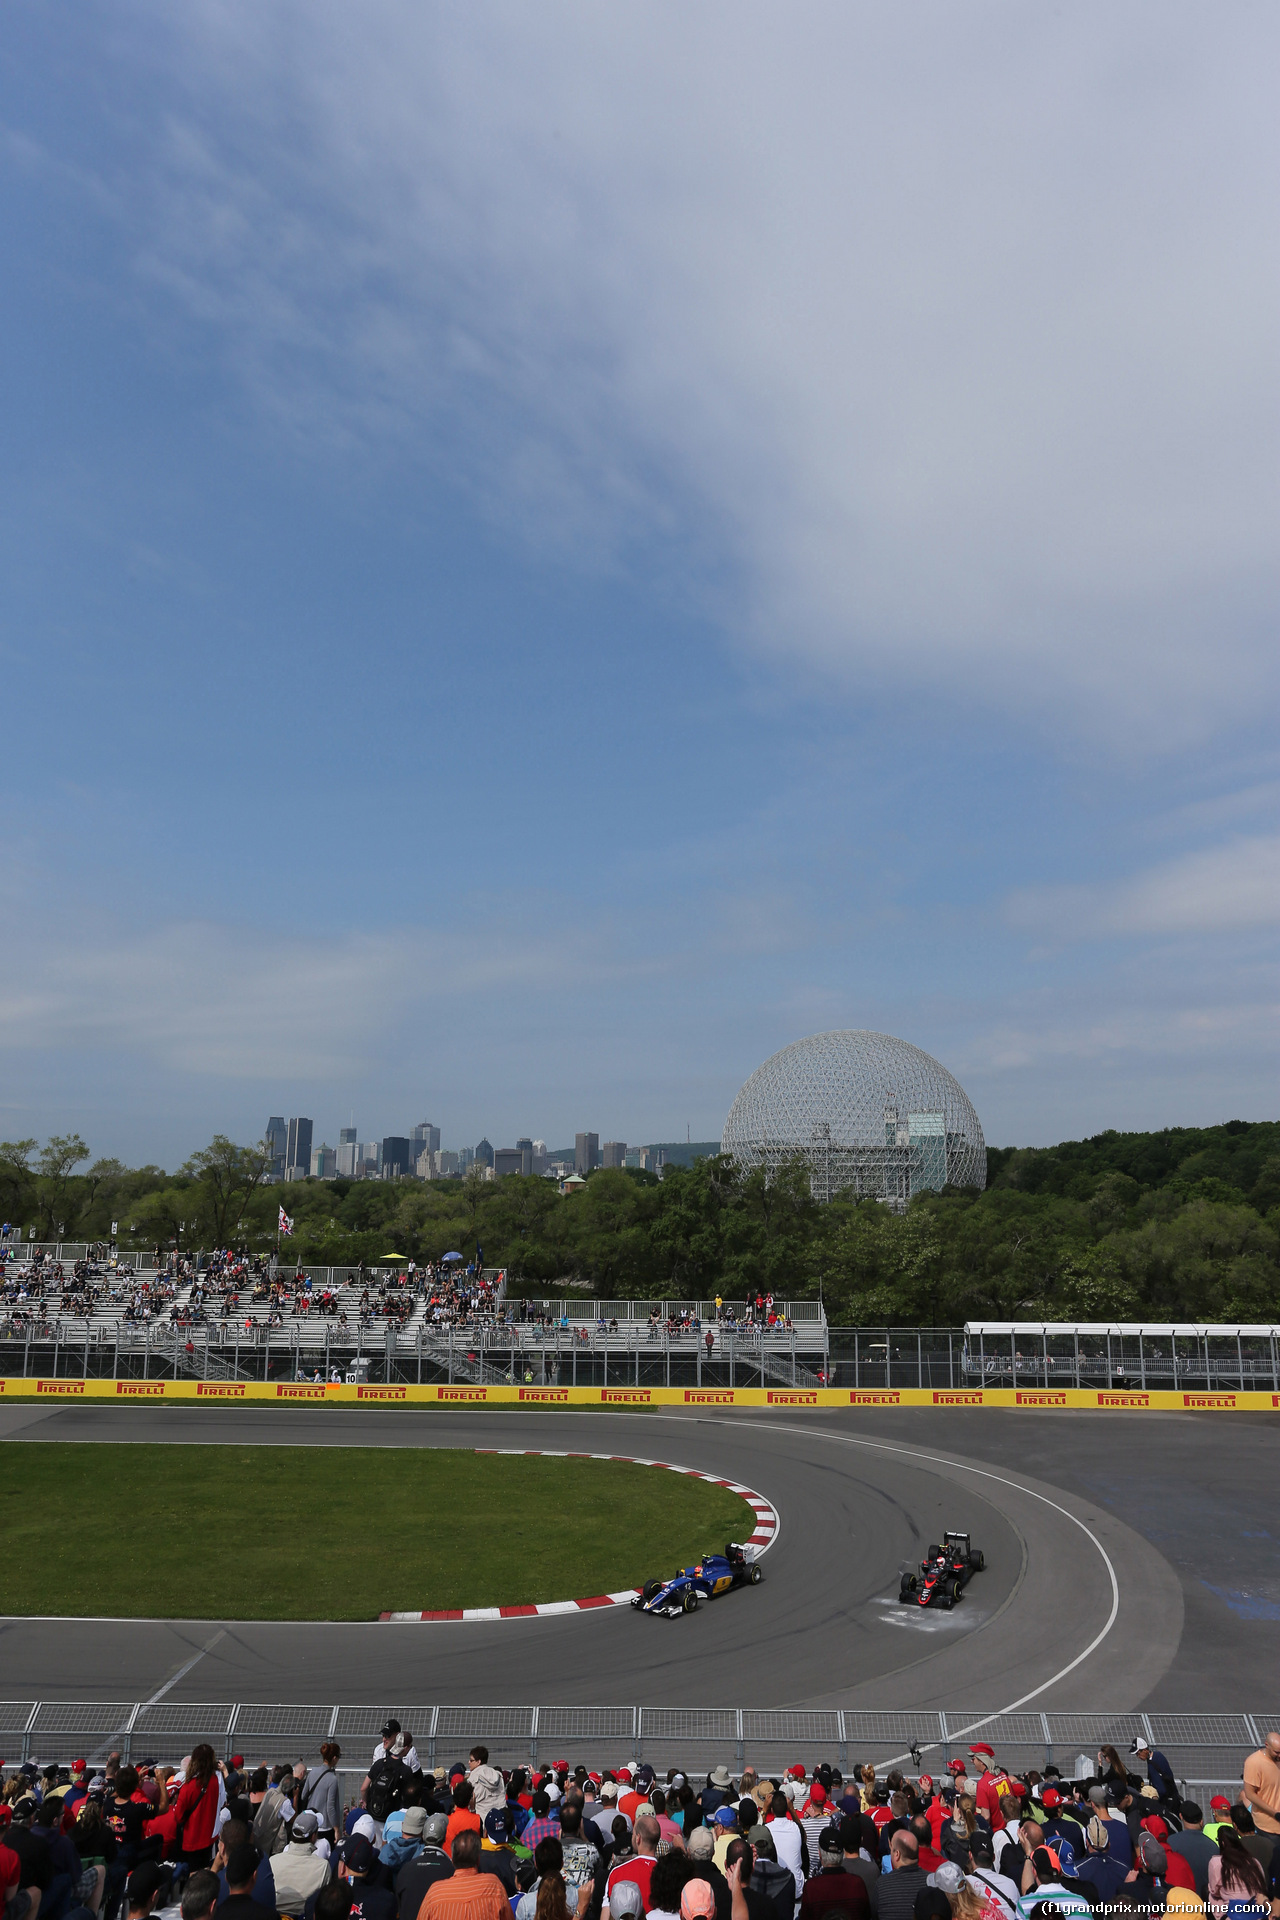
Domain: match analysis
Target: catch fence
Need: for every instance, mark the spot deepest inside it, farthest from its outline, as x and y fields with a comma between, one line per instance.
x=1205, y=1749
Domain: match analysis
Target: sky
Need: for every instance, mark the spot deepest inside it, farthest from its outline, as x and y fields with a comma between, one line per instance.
x=549, y=552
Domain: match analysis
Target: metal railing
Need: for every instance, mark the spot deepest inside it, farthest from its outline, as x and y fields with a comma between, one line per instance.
x=1203, y=1747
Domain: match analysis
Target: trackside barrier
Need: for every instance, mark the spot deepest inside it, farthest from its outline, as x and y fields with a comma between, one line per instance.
x=1110, y=1399
x=1205, y=1748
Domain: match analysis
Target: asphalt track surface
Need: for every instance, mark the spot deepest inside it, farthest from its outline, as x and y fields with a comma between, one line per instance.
x=1130, y=1563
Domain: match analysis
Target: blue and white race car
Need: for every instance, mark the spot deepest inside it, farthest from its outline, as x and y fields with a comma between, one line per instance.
x=714, y=1574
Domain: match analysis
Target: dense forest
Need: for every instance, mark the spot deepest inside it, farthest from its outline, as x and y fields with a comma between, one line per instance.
x=1181, y=1223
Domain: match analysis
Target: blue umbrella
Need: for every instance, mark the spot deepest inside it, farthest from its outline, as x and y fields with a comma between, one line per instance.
x=451, y=1256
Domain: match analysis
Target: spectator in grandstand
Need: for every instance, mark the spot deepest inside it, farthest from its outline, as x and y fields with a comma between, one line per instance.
x=1260, y=1845
x=371, y=1899
x=898, y=1891
x=982, y=1876
x=716, y=1793
x=1262, y=1784
x=639, y=1869
x=1159, y=1771
x=831, y=1887
x=200, y=1896
x=581, y=1865
x=1194, y=1844
x=196, y=1808
x=1234, y=1876
x=1047, y=1886
x=541, y=1825
x=146, y=1883
x=322, y=1789
x=234, y=1835
x=241, y=1898
x=486, y=1783
x=429, y=1864
x=299, y=1871
x=464, y=1818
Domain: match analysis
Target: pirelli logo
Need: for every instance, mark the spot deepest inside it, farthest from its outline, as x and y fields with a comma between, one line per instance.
x=462, y=1393
x=626, y=1396
x=874, y=1397
x=299, y=1393
x=60, y=1387
x=1106, y=1399
x=779, y=1397
x=957, y=1397
x=1046, y=1397
x=382, y=1393
x=544, y=1393
x=140, y=1389
x=1210, y=1402
x=220, y=1390
x=709, y=1396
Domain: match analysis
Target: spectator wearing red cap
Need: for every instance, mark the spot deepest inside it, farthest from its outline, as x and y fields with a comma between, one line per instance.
x=986, y=1791
x=814, y=1815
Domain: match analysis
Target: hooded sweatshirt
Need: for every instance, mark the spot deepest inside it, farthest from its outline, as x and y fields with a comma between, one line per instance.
x=489, y=1789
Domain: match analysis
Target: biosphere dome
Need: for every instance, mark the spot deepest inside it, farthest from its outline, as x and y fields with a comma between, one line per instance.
x=868, y=1112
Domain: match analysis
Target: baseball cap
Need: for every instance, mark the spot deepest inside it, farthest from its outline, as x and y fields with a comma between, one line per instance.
x=701, y=1847
x=1219, y=1804
x=947, y=1877
x=987, y=1753
x=1140, y=1745
x=1066, y=1856
x=726, y=1816
x=305, y=1825
x=955, y=1766
x=79, y=1766
x=697, y=1902
x=829, y=1840
x=415, y=1819
x=609, y=1790
x=436, y=1828
x=358, y=1855
x=796, y=1772
x=390, y=1728
x=237, y=1759
x=497, y=1823
x=1152, y=1854
x=560, y=1766
x=1097, y=1836
x=817, y=1793
x=1098, y=1795
x=625, y=1902
x=1050, y=1797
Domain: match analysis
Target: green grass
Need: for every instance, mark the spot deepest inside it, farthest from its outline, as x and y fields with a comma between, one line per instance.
x=336, y=1533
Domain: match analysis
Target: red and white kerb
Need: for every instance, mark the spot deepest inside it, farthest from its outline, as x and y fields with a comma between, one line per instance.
x=767, y=1528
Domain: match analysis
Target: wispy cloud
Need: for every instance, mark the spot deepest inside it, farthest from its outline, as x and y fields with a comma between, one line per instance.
x=1233, y=888
x=950, y=334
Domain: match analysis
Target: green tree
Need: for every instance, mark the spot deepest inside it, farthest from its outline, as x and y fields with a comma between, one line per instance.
x=228, y=1176
x=58, y=1197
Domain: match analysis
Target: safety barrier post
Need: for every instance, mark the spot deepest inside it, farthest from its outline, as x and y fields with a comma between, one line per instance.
x=533, y=1738
x=637, y=1733
x=26, y=1731
x=842, y=1739
x=1048, y=1740
x=431, y=1737
x=739, y=1749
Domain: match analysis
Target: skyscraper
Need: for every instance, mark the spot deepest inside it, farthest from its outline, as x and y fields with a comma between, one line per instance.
x=348, y=1152
x=297, y=1153
x=613, y=1153
x=586, y=1153
x=395, y=1157
x=483, y=1154
x=524, y=1147
x=277, y=1140
x=424, y=1138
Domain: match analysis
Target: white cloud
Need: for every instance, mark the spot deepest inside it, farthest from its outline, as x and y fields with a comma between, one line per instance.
x=952, y=329
x=1234, y=888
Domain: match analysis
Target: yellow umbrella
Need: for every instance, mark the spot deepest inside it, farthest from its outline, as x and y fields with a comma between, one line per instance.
x=393, y=1256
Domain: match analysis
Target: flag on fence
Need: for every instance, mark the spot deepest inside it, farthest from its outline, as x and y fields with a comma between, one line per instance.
x=286, y=1224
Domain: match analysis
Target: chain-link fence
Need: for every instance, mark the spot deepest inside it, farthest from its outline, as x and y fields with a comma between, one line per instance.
x=1204, y=1748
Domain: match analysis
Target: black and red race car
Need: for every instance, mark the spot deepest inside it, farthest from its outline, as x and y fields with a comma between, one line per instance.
x=944, y=1574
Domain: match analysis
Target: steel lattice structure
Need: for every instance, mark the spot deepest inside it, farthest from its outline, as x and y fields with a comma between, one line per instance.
x=868, y=1112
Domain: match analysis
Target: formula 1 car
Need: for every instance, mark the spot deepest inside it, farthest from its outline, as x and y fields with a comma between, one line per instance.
x=944, y=1573
x=714, y=1574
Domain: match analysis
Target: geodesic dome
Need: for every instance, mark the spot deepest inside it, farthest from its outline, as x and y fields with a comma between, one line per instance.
x=868, y=1112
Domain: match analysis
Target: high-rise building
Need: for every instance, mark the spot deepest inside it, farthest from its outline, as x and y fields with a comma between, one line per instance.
x=613, y=1153
x=277, y=1141
x=424, y=1137
x=396, y=1164
x=508, y=1160
x=348, y=1153
x=483, y=1153
x=525, y=1148
x=368, y=1160
x=586, y=1153
x=297, y=1153
x=324, y=1163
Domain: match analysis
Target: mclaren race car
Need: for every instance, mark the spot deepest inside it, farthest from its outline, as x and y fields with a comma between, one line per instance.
x=714, y=1574
x=944, y=1573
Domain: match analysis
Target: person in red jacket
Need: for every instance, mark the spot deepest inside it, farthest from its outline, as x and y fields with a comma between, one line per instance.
x=196, y=1808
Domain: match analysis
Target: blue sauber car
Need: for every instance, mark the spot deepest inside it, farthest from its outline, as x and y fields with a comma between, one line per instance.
x=714, y=1574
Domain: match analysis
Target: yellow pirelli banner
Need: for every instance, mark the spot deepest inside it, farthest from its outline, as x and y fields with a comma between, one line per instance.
x=828, y=1399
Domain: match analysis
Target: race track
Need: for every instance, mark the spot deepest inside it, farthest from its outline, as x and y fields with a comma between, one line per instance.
x=1094, y=1529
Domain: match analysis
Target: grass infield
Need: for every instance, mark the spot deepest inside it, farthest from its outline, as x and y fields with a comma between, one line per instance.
x=337, y=1533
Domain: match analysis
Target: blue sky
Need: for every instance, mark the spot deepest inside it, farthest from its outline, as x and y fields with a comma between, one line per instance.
x=547, y=554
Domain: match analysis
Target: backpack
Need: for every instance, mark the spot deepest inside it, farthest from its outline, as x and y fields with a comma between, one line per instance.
x=387, y=1780
x=270, y=1834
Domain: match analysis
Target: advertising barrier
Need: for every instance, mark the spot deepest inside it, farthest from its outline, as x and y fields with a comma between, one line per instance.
x=783, y=1399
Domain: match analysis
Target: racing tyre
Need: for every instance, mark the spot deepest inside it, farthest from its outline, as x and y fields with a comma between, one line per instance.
x=649, y=1588
x=689, y=1604
x=933, y=1553
x=977, y=1560
x=755, y=1576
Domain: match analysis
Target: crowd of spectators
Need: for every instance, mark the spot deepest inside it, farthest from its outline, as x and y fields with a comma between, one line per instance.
x=213, y=1840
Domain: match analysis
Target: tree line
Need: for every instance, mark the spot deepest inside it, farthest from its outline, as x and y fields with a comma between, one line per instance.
x=1183, y=1223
